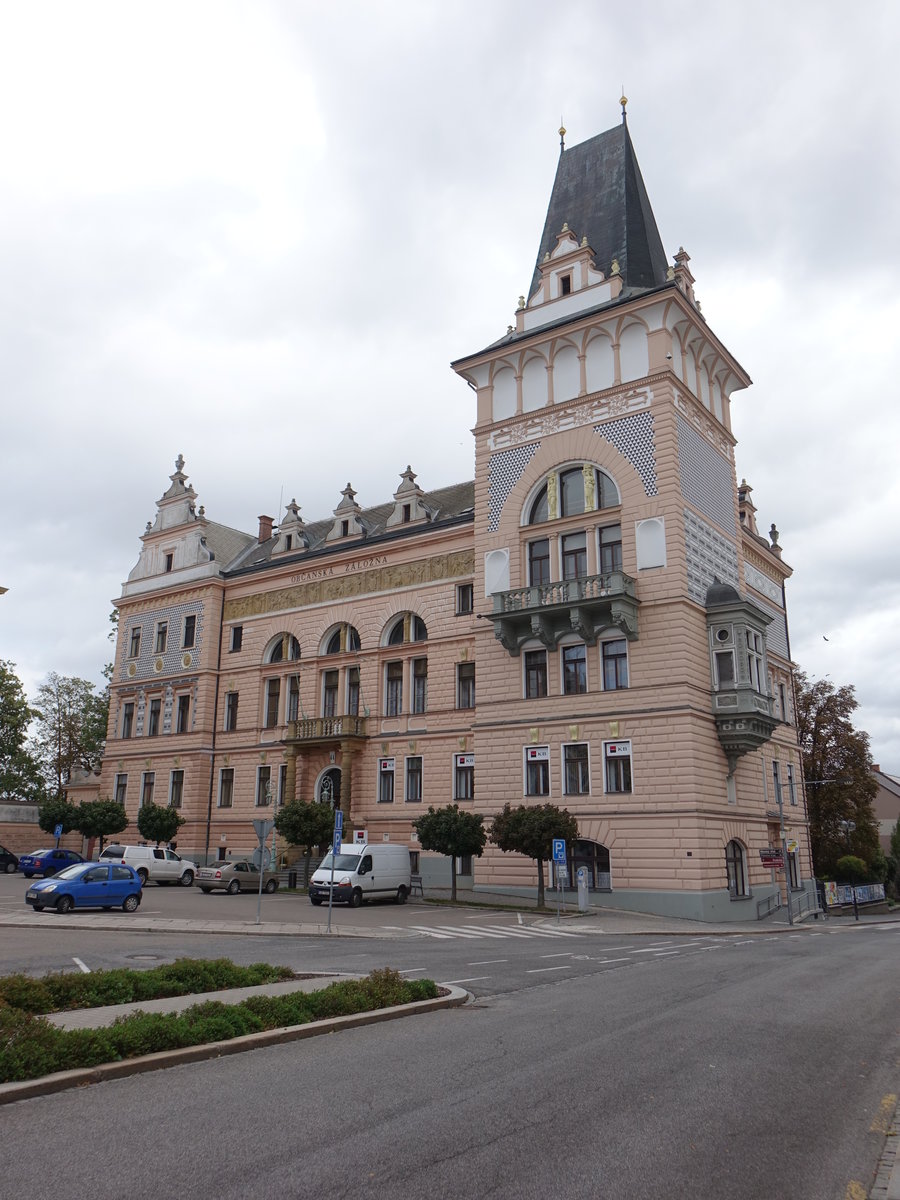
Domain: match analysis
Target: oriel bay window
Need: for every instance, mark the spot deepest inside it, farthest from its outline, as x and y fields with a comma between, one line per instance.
x=576, y=775
x=617, y=766
x=463, y=776
x=535, y=667
x=537, y=770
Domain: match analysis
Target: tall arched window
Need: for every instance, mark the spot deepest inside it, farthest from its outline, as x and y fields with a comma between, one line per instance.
x=344, y=640
x=284, y=648
x=570, y=490
x=736, y=868
x=406, y=628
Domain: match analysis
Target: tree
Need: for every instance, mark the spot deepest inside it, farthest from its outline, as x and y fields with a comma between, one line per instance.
x=451, y=831
x=158, y=823
x=20, y=774
x=55, y=812
x=70, y=732
x=530, y=830
x=98, y=818
x=305, y=824
x=837, y=770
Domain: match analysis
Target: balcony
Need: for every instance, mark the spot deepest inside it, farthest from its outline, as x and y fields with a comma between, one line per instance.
x=586, y=606
x=322, y=731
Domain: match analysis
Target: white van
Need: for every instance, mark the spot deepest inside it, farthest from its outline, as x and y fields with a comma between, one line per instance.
x=363, y=872
x=153, y=862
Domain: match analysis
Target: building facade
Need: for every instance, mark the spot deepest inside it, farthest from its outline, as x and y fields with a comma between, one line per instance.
x=595, y=621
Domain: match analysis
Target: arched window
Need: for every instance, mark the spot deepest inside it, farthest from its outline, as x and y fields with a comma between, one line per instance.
x=736, y=868
x=570, y=490
x=285, y=648
x=399, y=632
x=345, y=634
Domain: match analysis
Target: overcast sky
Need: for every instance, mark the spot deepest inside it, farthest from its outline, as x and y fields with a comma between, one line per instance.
x=257, y=233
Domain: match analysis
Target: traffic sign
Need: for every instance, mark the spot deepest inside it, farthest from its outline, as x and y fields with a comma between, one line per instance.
x=263, y=829
x=336, y=841
x=559, y=850
x=57, y=831
x=338, y=820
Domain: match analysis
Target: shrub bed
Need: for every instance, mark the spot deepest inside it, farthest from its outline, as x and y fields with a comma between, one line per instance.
x=30, y=1046
x=63, y=991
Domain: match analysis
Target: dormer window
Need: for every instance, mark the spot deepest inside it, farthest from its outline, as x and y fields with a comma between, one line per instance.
x=288, y=541
x=345, y=528
x=407, y=514
x=565, y=285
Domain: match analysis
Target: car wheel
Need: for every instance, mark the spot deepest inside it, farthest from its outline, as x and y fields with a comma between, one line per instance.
x=64, y=905
x=143, y=875
x=10, y=867
x=187, y=879
x=315, y=901
x=271, y=886
x=130, y=903
x=204, y=890
x=357, y=898
x=401, y=894
x=28, y=874
x=233, y=888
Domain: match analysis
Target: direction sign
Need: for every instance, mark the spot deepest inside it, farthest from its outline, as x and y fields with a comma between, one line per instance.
x=559, y=850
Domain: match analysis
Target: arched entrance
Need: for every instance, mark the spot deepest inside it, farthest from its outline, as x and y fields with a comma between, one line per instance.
x=328, y=787
x=594, y=858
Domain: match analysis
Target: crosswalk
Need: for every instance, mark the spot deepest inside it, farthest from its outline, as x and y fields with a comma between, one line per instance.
x=477, y=932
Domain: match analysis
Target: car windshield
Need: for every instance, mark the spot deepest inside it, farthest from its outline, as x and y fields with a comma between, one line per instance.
x=342, y=862
x=73, y=872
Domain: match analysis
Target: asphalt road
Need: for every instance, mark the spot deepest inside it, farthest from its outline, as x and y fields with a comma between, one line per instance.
x=733, y=1068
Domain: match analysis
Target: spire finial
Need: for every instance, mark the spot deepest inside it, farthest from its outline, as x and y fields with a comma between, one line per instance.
x=562, y=135
x=623, y=100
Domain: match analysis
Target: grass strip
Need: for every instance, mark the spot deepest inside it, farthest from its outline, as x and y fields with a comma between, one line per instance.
x=31, y=1047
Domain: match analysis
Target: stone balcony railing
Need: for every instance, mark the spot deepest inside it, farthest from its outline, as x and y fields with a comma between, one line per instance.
x=319, y=730
x=586, y=605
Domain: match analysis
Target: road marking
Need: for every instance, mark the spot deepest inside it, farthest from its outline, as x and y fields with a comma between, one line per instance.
x=666, y=953
x=81, y=967
x=457, y=932
x=882, y=1121
x=559, y=954
x=519, y=915
x=429, y=931
x=471, y=979
x=541, y=970
x=745, y=942
x=651, y=951
x=486, y=962
x=410, y=970
x=533, y=931
x=604, y=961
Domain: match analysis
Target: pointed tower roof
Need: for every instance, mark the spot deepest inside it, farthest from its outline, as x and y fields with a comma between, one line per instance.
x=599, y=193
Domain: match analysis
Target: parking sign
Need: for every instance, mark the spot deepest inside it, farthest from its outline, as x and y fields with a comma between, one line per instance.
x=559, y=850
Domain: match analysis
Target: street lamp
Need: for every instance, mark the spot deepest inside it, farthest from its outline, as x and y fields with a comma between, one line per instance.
x=847, y=827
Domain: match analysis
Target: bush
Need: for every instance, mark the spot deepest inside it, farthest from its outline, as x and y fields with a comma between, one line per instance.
x=851, y=869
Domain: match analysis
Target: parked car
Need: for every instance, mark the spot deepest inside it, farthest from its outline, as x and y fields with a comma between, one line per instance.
x=153, y=862
x=87, y=885
x=47, y=862
x=233, y=876
x=8, y=861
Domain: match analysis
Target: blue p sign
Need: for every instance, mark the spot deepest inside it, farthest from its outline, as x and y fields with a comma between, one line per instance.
x=559, y=850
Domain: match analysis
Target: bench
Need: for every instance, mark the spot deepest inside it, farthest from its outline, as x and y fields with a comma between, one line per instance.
x=415, y=884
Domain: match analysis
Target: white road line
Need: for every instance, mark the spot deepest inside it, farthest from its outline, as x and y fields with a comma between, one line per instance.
x=745, y=942
x=471, y=979
x=430, y=932
x=457, y=932
x=411, y=970
x=531, y=931
x=541, y=970
x=649, y=950
x=559, y=954
x=486, y=962
x=615, y=949
x=605, y=961
x=81, y=967
x=666, y=953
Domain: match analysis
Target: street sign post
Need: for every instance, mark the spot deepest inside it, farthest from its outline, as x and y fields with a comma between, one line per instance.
x=337, y=838
x=561, y=868
x=263, y=829
x=57, y=833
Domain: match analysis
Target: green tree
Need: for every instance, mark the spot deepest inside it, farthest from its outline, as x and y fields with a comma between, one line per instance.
x=451, y=831
x=20, y=774
x=158, y=823
x=530, y=830
x=837, y=769
x=305, y=824
x=851, y=869
x=70, y=729
x=99, y=818
x=55, y=812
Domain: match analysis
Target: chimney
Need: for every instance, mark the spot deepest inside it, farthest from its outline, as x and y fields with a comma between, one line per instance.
x=265, y=528
x=875, y=767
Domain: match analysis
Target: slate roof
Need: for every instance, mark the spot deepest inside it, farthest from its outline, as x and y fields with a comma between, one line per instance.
x=600, y=193
x=226, y=543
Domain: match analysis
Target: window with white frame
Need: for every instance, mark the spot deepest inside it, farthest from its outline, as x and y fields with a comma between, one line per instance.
x=617, y=766
x=121, y=788
x=263, y=786
x=537, y=770
x=465, y=685
x=148, y=780
x=393, y=689
x=614, y=657
x=414, y=779
x=576, y=772
x=419, y=685
x=386, y=781
x=176, y=789
x=226, y=787
x=463, y=776
x=535, y=668
x=574, y=669
x=755, y=660
x=465, y=599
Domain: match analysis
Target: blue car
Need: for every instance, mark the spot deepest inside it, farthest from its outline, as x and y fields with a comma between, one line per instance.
x=87, y=885
x=47, y=862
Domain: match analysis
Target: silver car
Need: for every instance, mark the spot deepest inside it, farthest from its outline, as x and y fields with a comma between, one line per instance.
x=239, y=875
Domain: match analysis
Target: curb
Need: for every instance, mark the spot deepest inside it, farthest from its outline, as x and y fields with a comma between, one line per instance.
x=61, y=1081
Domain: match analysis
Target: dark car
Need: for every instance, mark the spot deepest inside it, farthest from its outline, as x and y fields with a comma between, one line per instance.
x=47, y=862
x=87, y=885
x=8, y=860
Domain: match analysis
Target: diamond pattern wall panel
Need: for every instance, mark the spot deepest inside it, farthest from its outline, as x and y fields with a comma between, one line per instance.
x=633, y=438
x=705, y=475
x=504, y=472
x=776, y=633
x=709, y=555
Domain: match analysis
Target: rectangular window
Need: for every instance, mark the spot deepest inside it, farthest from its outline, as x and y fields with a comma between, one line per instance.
x=182, y=714
x=419, y=685
x=465, y=599
x=464, y=865
x=574, y=555
x=121, y=788
x=385, y=781
x=565, y=285
x=134, y=643
x=147, y=781
x=538, y=562
x=353, y=691
x=329, y=693
x=537, y=770
x=414, y=779
x=617, y=766
x=263, y=786
x=535, y=674
x=293, y=703
x=782, y=693
x=463, y=776
x=393, y=700
x=465, y=685
x=176, y=789
x=162, y=636
x=776, y=780
x=127, y=720
x=610, y=547
x=273, y=696
x=226, y=787
x=282, y=783
x=170, y=562
x=237, y=639
x=724, y=669
x=190, y=632
x=755, y=660
x=615, y=664
x=792, y=791
x=574, y=666
x=575, y=769
x=153, y=722
x=231, y=711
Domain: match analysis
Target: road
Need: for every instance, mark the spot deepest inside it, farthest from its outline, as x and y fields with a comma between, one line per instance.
x=734, y=1068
